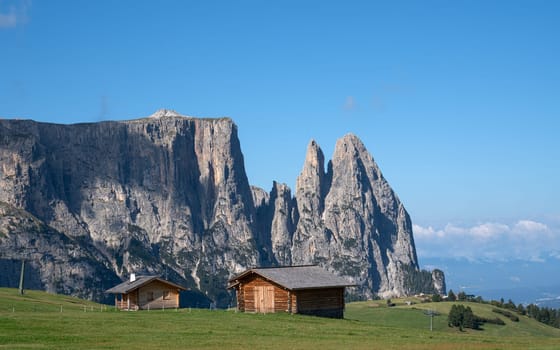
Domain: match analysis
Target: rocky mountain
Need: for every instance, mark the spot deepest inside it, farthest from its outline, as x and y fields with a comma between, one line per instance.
x=87, y=204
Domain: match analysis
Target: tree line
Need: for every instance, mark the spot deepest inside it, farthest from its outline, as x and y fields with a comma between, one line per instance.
x=462, y=318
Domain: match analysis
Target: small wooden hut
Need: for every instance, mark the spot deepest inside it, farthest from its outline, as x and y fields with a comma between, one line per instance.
x=308, y=290
x=146, y=292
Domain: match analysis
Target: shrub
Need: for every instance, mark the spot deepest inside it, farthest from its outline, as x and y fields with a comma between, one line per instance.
x=463, y=317
x=496, y=320
x=507, y=314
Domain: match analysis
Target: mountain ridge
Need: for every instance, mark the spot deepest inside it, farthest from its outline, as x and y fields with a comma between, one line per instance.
x=170, y=193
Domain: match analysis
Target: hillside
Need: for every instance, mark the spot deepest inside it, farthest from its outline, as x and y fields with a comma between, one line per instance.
x=414, y=316
x=34, y=320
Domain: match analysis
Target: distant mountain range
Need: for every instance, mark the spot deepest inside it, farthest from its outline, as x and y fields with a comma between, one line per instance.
x=88, y=204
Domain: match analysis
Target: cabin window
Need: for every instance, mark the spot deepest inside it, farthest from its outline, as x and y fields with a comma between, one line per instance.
x=150, y=296
x=165, y=295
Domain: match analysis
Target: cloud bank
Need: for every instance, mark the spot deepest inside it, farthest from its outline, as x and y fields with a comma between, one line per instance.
x=491, y=241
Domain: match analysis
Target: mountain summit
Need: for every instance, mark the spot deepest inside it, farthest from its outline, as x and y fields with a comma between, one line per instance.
x=88, y=204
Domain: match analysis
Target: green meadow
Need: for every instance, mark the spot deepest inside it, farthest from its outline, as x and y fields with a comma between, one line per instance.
x=38, y=320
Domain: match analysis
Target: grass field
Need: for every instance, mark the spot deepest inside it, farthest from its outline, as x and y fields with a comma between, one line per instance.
x=38, y=320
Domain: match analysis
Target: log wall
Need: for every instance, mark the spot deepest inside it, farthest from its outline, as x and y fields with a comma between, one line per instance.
x=321, y=302
x=248, y=295
x=155, y=291
x=240, y=290
x=254, y=294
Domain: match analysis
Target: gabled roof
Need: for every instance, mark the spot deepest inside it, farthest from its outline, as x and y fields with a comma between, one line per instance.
x=295, y=277
x=127, y=286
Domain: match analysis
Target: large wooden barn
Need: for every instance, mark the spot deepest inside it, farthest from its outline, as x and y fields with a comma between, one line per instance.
x=146, y=292
x=308, y=290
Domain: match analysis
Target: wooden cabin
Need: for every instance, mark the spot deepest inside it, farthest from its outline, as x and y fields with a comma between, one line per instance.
x=308, y=290
x=145, y=293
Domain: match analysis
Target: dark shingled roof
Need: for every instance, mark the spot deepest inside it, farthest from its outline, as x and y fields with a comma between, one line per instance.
x=296, y=277
x=127, y=286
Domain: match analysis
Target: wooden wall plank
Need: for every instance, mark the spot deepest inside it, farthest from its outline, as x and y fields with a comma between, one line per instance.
x=254, y=294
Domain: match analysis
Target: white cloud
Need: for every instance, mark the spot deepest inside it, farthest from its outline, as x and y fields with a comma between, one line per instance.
x=8, y=20
x=14, y=15
x=427, y=232
x=529, y=226
x=488, y=230
x=481, y=231
x=491, y=241
x=454, y=230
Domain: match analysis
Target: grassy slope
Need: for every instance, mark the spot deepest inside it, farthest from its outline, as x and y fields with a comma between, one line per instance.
x=35, y=321
x=409, y=316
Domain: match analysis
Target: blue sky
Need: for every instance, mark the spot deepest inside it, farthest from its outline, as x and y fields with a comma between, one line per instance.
x=458, y=101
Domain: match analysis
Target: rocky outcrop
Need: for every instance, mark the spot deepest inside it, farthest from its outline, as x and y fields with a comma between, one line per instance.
x=438, y=281
x=169, y=194
x=352, y=221
x=54, y=261
x=282, y=225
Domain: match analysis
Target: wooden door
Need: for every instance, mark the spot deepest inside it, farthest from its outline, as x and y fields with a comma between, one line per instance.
x=264, y=299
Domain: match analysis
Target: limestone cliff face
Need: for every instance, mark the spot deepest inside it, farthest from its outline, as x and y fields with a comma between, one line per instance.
x=351, y=220
x=310, y=238
x=168, y=194
x=54, y=261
